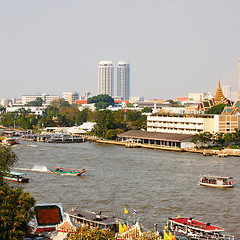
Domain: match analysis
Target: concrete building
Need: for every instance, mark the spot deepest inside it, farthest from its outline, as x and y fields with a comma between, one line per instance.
x=196, y=96
x=105, y=78
x=123, y=80
x=45, y=97
x=192, y=124
x=71, y=97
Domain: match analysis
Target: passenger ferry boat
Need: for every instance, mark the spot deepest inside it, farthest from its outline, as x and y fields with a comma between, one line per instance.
x=16, y=176
x=216, y=181
x=69, y=171
x=188, y=228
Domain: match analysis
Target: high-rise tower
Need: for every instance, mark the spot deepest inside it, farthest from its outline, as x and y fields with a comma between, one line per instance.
x=123, y=72
x=105, y=78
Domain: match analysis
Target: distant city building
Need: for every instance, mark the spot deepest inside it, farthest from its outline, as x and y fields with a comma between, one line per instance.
x=105, y=78
x=45, y=97
x=9, y=101
x=227, y=91
x=123, y=80
x=71, y=97
x=34, y=110
x=136, y=99
x=196, y=96
x=239, y=78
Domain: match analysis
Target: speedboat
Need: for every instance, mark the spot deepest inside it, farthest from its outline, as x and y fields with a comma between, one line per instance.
x=68, y=171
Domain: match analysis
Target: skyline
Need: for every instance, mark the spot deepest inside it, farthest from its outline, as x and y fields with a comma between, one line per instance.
x=174, y=47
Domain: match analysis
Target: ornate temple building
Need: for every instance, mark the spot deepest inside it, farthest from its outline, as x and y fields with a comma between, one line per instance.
x=218, y=99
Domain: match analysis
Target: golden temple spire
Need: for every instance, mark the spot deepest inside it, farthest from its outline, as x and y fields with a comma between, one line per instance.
x=219, y=94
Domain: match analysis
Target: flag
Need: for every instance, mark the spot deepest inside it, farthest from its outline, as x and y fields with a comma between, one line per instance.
x=135, y=212
x=121, y=229
x=171, y=236
x=125, y=211
x=166, y=236
x=125, y=227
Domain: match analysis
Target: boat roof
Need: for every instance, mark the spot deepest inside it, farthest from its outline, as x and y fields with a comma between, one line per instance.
x=211, y=176
x=93, y=217
x=17, y=173
x=191, y=223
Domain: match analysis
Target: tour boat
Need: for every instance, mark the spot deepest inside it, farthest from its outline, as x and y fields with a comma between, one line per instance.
x=216, y=181
x=16, y=176
x=69, y=171
x=188, y=228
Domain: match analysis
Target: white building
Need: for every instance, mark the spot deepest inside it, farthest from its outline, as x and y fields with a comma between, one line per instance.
x=105, y=78
x=35, y=110
x=45, y=97
x=123, y=80
x=196, y=96
x=71, y=97
x=192, y=124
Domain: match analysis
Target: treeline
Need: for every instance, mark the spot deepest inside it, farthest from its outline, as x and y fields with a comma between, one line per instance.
x=208, y=139
x=60, y=114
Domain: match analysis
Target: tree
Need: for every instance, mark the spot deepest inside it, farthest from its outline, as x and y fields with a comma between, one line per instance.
x=101, y=101
x=217, y=109
x=16, y=210
x=7, y=159
x=87, y=233
x=16, y=206
x=37, y=102
x=104, y=123
x=112, y=134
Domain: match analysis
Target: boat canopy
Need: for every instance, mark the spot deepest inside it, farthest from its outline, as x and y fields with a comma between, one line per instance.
x=215, y=177
x=196, y=225
x=17, y=173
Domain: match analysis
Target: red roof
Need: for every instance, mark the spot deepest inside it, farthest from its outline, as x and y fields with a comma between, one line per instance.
x=81, y=101
x=196, y=224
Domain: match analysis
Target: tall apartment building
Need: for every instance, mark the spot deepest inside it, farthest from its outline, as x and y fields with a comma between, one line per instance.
x=123, y=72
x=105, y=78
x=71, y=97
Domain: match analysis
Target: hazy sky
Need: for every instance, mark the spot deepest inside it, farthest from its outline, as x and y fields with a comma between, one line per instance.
x=173, y=47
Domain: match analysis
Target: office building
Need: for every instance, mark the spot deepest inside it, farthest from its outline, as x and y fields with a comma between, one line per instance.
x=71, y=97
x=105, y=78
x=123, y=71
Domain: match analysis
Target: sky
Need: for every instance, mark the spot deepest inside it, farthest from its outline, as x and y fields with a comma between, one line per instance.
x=173, y=47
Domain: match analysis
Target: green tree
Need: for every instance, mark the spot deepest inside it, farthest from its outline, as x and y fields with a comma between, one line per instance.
x=104, y=123
x=101, y=101
x=112, y=134
x=217, y=109
x=87, y=233
x=7, y=159
x=37, y=102
x=147, y=110
x=16, y=210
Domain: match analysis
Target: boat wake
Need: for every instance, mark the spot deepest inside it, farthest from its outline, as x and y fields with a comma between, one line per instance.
x=36, y=168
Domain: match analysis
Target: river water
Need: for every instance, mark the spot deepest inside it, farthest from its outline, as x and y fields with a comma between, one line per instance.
x=158, y=184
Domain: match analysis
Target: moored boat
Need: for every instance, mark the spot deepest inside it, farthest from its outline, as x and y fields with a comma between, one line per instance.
x=16, y=176
x=216, y=181
x=10, y=141
x=188, y=228
x=69, y=171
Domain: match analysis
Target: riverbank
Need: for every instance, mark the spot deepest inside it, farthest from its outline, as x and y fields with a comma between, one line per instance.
x=205, y=152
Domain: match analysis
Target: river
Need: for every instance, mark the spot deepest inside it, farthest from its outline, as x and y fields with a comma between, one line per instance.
x=159, y=184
